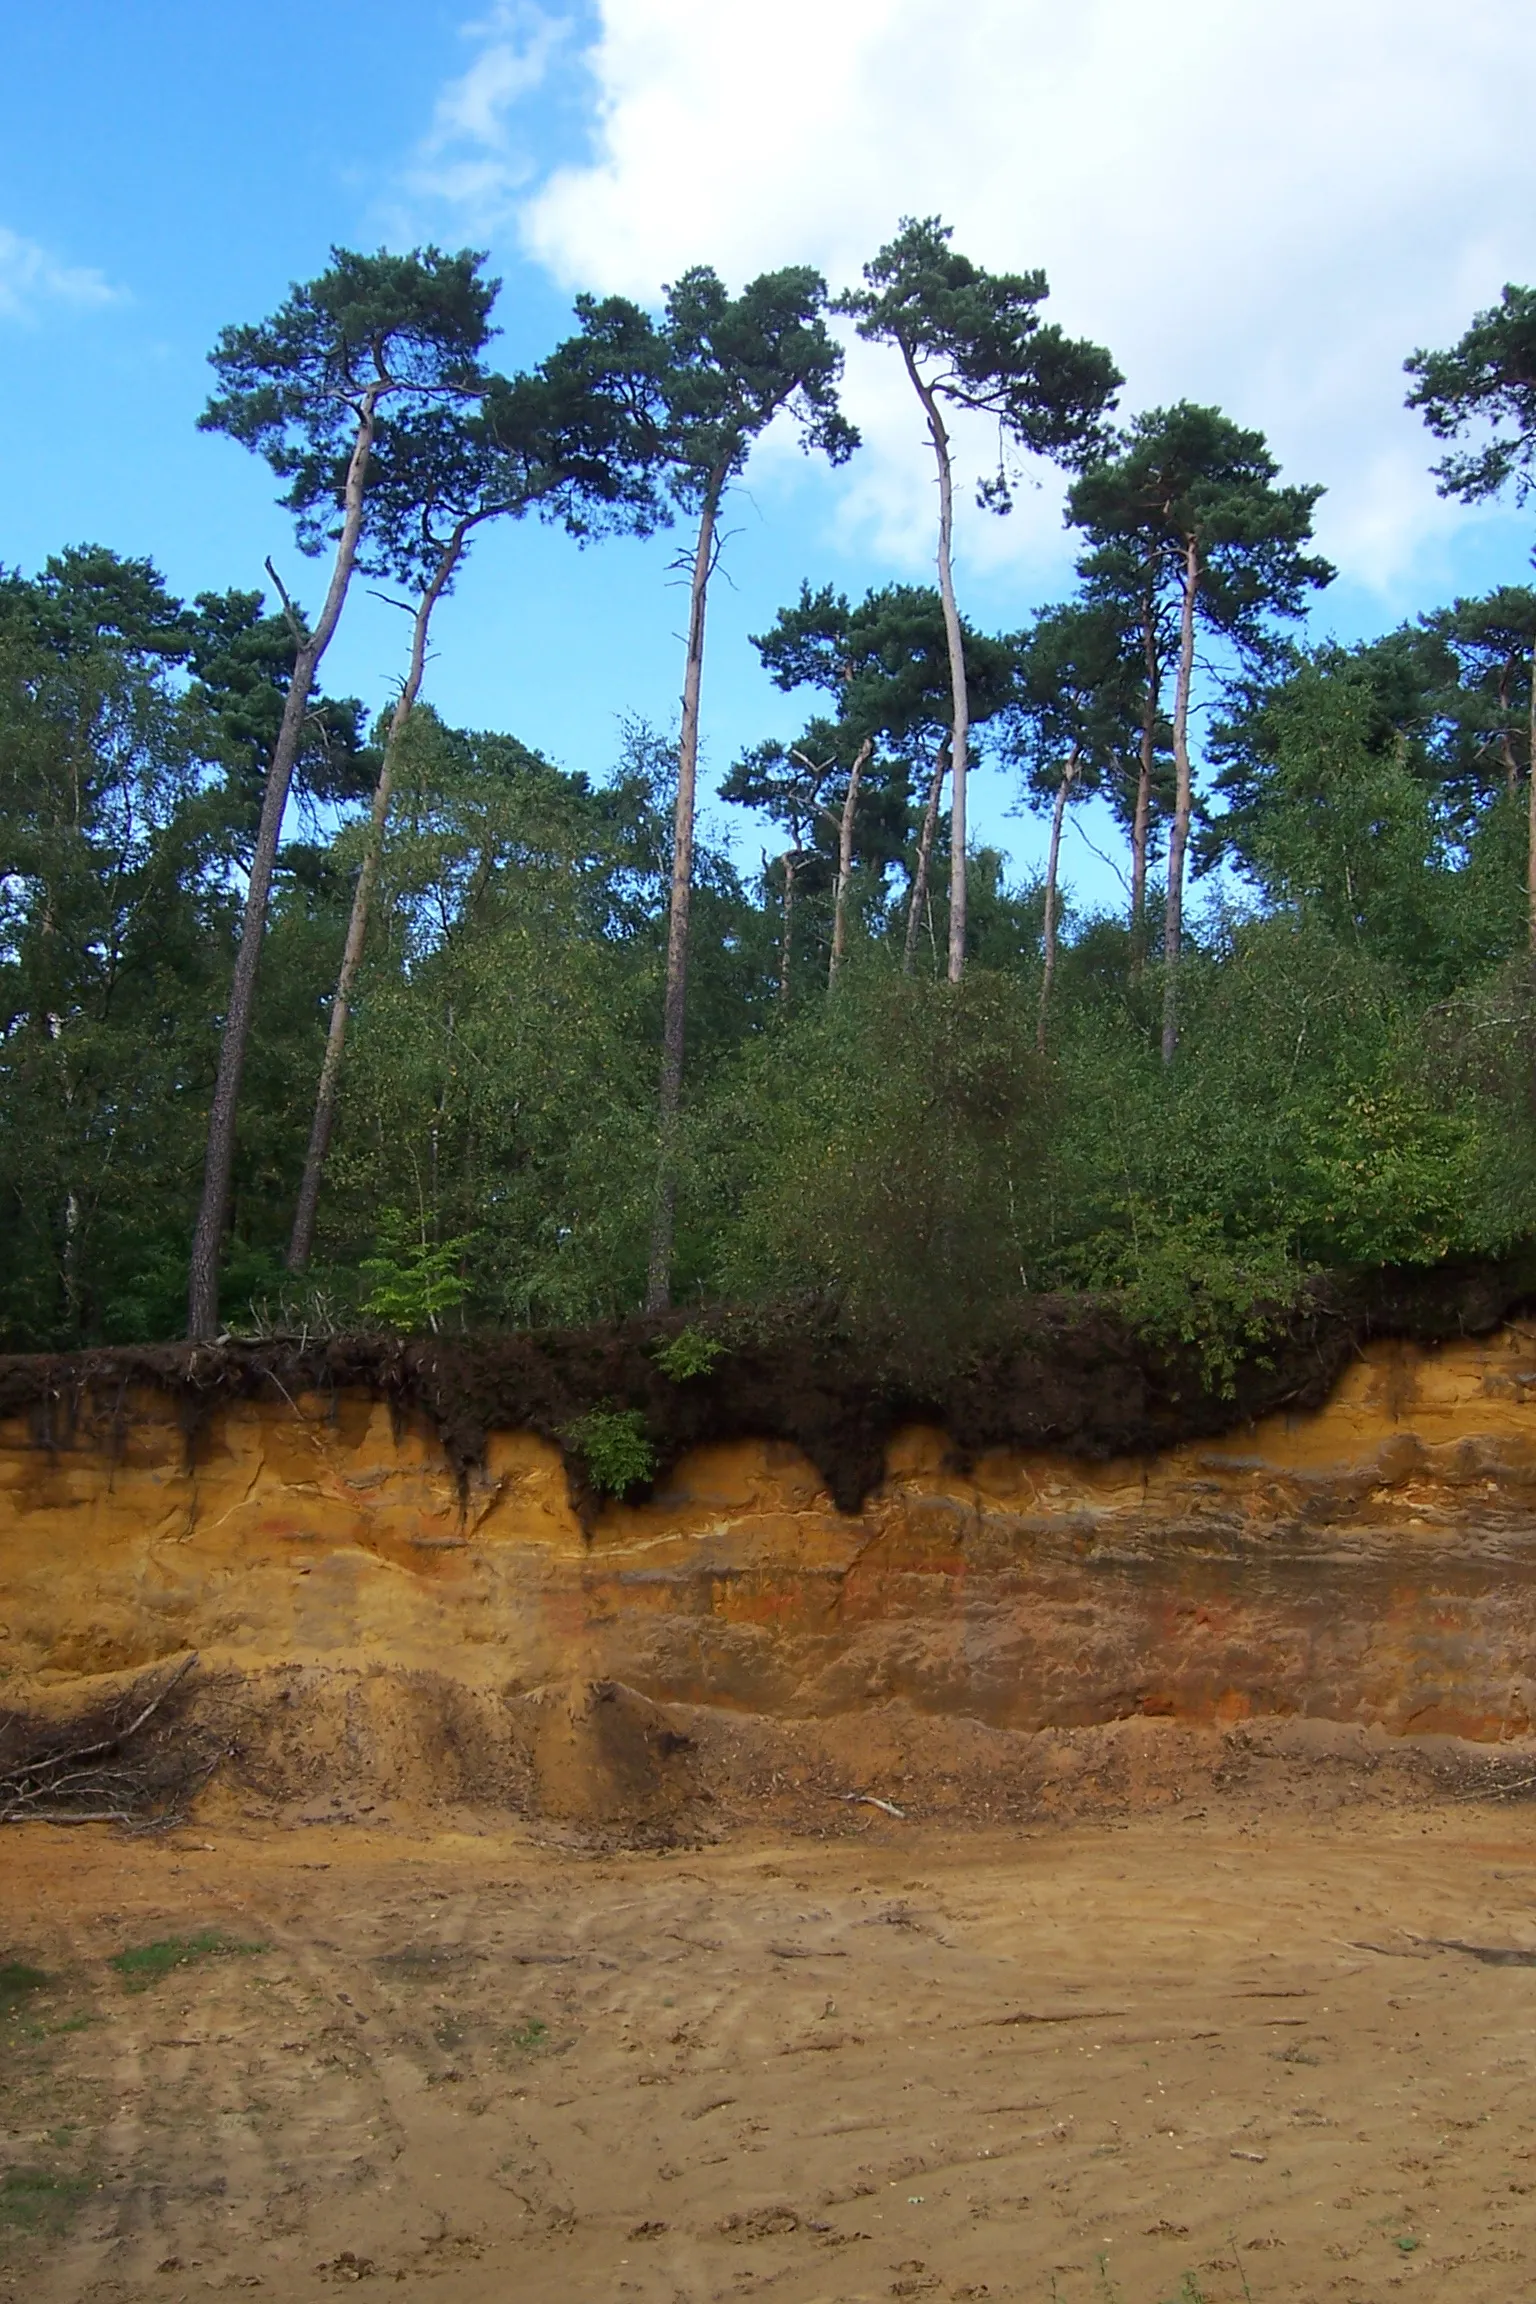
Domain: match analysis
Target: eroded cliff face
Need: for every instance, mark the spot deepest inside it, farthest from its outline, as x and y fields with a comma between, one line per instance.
x=1373, y=1562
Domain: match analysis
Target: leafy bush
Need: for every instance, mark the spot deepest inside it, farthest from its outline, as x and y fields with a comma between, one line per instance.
x=1185, y=1282
x=615, y=1448
x=689, y=1353
x=888, y=1148
x=413, y=1282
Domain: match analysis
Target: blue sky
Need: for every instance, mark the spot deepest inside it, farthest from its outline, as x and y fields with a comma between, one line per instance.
x=1265, y=207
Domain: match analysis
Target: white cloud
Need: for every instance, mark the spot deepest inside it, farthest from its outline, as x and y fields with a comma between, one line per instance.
x=1266, y=204
x=470, y=156
x=30, y=276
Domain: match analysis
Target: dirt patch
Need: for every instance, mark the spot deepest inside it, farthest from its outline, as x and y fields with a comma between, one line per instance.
x=1262, y=2044
x=1065, y=1373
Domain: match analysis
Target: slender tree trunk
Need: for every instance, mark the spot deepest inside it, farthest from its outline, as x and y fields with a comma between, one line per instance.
x=924, y=857
x=790, y=861
x=302, y=1239
x=960, y=698
x=219, y=1156
x=1053, y=861
x=1530, y=858
x=658, y=1292
x=1506, y=736
x=1141, y=820
x=1173, y=924
x=845, y=859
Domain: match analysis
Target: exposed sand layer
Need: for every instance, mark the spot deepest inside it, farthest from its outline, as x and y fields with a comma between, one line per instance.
x=1371, y=1562
x=1229, y=2051
x=539, y=1939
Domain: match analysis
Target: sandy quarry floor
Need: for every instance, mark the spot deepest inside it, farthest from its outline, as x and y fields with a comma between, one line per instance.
x=1195, y=2056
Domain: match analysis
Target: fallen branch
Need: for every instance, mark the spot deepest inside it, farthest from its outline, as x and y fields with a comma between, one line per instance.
x=1497, y=1791
x=869, y=1800
x=101, y=1767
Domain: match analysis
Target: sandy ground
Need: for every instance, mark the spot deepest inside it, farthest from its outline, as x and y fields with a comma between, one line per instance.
x=1209, y=2054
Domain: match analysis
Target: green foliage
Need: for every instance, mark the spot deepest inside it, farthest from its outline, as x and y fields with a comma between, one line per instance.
x=501, y=1076
x=414, y=1281
x=614, y=1448
x=1386, y=1177
x=1188, y=474
x=886, y=1147
x=1078, y=704
x=1487, y=380
x=1353, y=1083
x=730, y=364
x=1357, y=1009
x=691, y=1352
x=977, y=339
x=1184, y=1281
x=144, y=1964
x=1309, y=1119
x=399, y=335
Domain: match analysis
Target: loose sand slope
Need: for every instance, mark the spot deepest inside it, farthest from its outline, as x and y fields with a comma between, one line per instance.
x=1213, y=2048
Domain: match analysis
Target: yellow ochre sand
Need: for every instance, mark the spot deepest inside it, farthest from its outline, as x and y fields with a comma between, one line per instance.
x=1373, y=1562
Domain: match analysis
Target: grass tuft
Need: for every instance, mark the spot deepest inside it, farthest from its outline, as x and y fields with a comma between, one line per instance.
x=141, y=1965
x=17, y=1983
x=33, y=2201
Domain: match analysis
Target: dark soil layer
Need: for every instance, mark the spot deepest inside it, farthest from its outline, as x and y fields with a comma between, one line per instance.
x=1062, y=1372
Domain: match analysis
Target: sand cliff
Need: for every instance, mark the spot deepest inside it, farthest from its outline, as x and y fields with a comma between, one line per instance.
x=1373, y=1561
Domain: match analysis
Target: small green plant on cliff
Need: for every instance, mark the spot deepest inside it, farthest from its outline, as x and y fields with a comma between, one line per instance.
x=1186, y=1283
x=412, y=1282
x=615, y=1448
x=689, y=1353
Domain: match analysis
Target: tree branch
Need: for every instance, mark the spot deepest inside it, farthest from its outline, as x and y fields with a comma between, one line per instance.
x=294, y=620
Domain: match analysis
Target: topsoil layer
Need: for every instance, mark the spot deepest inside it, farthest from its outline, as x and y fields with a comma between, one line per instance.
x=1067, y=1373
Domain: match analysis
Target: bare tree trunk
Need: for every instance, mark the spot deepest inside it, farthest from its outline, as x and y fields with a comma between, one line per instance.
x=302, y=1239
x=959, y=695
x=1506, y=736
x=845, y=858
x=219, y=1157
x=658, y=1292
x=790, y=861
x=924, y=857
x=1530, y=859
x=1173, y=923
x=1053, y=860
x=1142, y=818
x=69, y=1253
